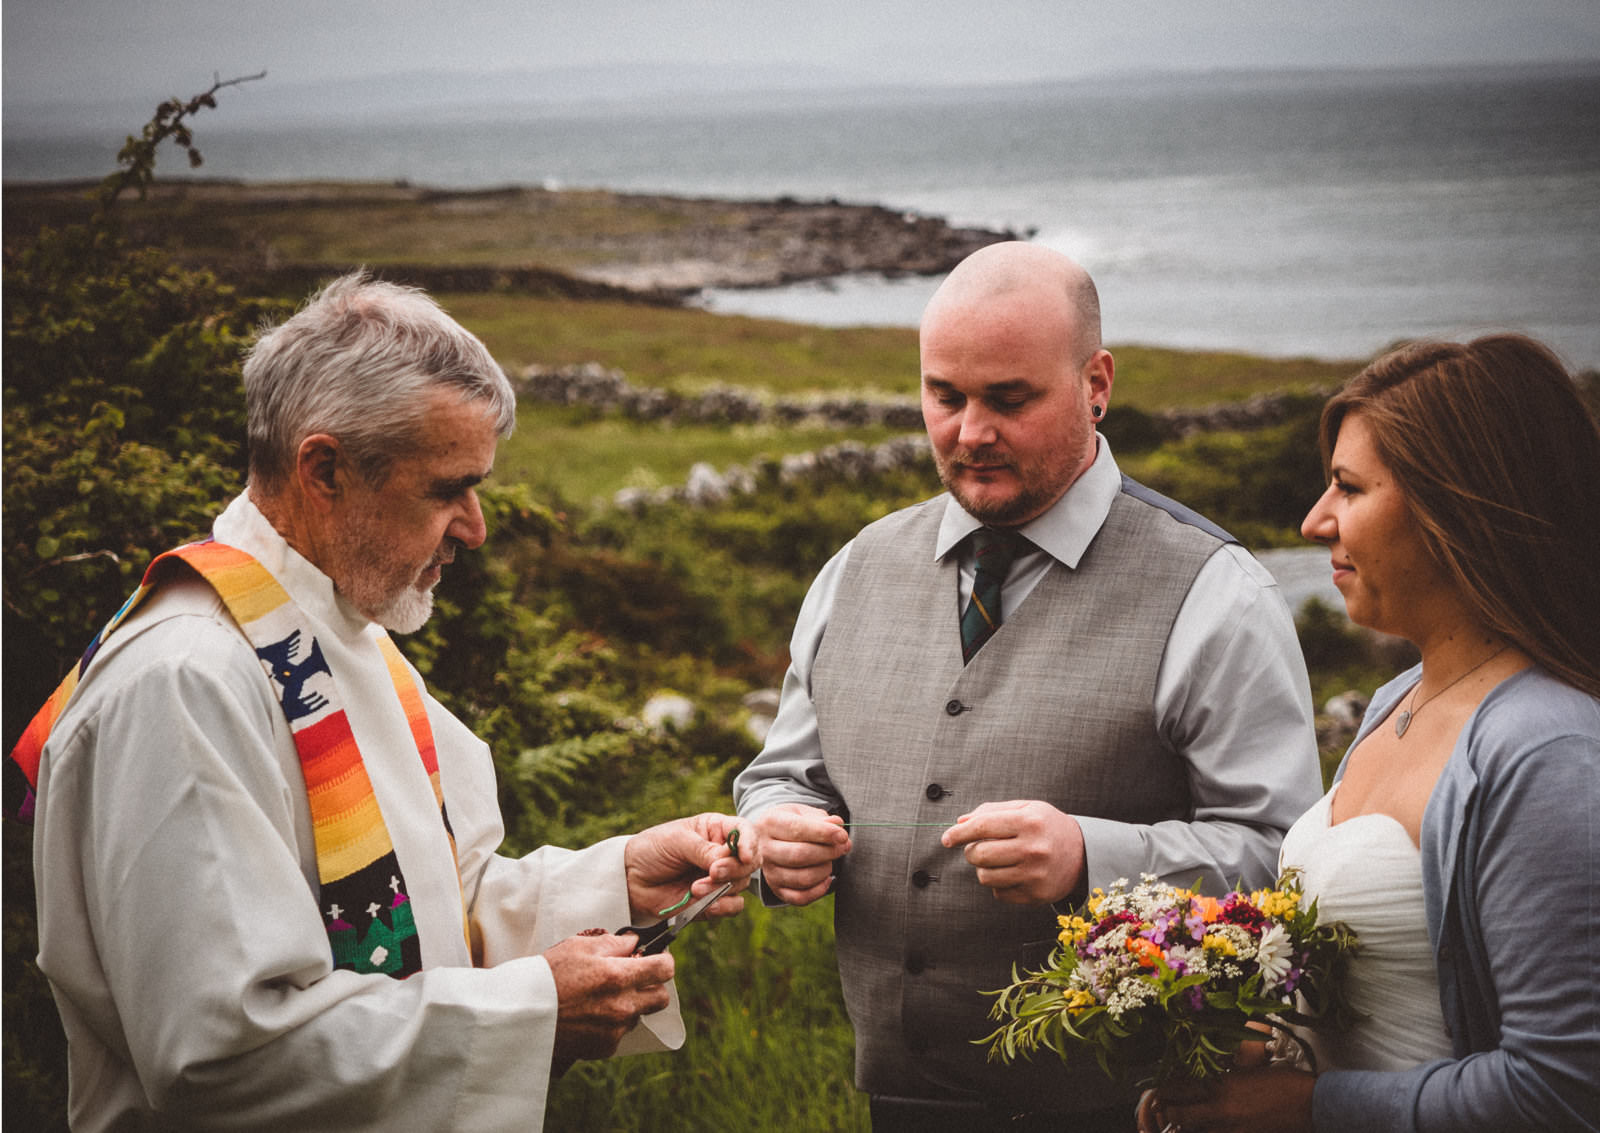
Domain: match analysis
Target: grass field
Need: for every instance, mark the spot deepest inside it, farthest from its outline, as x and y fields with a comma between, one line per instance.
x=578, y=457
x=687, y=349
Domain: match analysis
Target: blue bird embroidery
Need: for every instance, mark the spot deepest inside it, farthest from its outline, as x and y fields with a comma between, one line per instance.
x=292, y=675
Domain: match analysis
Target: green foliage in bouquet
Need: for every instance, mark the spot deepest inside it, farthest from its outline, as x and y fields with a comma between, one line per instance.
x=1158, y=983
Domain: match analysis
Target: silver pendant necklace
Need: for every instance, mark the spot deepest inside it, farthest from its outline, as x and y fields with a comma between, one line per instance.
x=1403, y=718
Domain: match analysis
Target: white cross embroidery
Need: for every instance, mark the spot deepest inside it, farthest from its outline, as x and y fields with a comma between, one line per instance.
x=334, y=911
x=372, y=910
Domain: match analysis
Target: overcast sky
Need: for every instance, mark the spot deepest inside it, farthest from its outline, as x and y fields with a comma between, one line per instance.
x=92, y=50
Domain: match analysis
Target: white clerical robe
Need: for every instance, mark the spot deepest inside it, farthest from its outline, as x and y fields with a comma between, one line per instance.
x=176, y=873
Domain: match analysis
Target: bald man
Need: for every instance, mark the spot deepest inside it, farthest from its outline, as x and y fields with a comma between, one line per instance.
x=1042, y=680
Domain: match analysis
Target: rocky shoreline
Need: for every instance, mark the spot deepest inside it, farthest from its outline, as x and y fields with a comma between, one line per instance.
x=578, y=243
x=740, y=244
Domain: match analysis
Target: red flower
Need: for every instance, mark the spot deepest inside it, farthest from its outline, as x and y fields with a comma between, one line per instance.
x=1238, y=910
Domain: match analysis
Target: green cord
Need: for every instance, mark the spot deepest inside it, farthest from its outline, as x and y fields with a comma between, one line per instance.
x=733, y=845
x=674, y=908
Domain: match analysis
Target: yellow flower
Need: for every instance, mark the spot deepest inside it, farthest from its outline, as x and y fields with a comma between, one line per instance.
x=1073, y=930
x=1079, y=1000
x=1216, y=942
x=1275, y=903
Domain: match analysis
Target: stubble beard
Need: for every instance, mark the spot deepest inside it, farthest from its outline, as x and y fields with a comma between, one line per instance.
x=1031, y=498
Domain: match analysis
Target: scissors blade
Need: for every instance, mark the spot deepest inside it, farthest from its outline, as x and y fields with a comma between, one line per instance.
x=700, y=906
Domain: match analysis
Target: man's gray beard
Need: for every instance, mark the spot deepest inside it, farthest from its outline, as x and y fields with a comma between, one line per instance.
x=407, y=611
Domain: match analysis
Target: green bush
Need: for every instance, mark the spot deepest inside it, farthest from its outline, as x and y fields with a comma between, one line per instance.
x=124, y=430
x=1258, y=484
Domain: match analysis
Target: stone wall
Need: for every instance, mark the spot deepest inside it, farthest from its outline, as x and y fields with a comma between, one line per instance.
x=609, y=391
x=849, y=461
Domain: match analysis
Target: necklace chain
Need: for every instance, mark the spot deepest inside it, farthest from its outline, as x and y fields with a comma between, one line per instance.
x=1402, y=721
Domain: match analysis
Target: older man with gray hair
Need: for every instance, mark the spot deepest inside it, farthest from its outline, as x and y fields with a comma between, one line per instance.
x=269, y=896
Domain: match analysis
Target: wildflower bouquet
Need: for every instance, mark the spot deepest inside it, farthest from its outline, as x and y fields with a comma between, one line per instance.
x=1159, y=983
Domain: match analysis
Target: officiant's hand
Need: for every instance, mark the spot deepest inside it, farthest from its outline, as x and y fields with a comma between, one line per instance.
x=1265, y=1100
x=697, y=853
x=799, y=845
x=1027, y=851
x=601, y=992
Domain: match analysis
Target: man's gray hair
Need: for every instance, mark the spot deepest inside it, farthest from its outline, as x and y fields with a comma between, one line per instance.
x=356, y=363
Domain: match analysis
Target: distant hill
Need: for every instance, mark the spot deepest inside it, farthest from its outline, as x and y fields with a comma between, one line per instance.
x=433, y=97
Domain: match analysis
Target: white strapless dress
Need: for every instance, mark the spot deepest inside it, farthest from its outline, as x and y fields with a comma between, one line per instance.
x=1365, y=871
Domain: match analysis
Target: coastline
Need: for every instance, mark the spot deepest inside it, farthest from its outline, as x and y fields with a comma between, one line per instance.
x=585, y=243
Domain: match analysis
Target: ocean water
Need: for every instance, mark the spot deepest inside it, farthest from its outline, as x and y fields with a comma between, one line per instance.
x=1323, y=214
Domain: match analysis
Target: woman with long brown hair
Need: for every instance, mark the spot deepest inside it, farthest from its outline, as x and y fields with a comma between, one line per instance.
x=1461, y=838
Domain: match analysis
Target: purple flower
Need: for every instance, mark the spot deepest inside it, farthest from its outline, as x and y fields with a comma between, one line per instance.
x=1161, y=931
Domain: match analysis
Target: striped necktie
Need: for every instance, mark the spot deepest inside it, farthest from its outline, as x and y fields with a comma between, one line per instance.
x=995, y=550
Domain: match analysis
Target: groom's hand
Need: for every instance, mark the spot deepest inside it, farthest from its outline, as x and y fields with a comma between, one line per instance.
x=1026, y=851
x=799, y=845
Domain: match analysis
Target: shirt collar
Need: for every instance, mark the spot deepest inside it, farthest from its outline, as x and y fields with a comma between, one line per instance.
x=1066, y=529
x=243, y=526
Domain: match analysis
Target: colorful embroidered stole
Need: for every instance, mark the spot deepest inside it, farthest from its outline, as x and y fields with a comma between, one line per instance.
x=361, y=882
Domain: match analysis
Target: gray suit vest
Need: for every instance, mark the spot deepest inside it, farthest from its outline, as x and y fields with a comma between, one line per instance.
x=1058, y=706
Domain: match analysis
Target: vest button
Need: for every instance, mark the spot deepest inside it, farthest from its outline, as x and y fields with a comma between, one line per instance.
x=921, y=878
x=954, y=708
x=915, y=963
x=935, y=792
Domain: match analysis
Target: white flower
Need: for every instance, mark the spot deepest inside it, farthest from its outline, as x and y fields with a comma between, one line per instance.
x=1243, y=945
x=1274, y=953
x=1130, y=995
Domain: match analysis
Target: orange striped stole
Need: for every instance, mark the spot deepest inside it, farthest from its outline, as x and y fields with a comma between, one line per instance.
x=362, y=895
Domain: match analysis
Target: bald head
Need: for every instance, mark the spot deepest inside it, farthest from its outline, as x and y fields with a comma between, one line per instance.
x=1013, y=380
x=1013, y=269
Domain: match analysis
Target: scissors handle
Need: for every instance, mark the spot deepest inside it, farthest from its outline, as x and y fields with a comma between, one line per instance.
x=652, y=938
x=655, y=938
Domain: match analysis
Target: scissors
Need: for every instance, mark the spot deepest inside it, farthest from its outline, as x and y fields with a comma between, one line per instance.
x=655, y=938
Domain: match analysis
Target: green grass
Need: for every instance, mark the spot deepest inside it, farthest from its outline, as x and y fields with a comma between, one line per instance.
x=379, y=223
x=769, y=1045
x=1151, y=378
x=689, y=349
x=583, y=460
x=580, y=457
x=686, y=349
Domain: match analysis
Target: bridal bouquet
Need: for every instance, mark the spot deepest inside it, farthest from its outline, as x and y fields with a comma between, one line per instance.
x=1161, y=983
